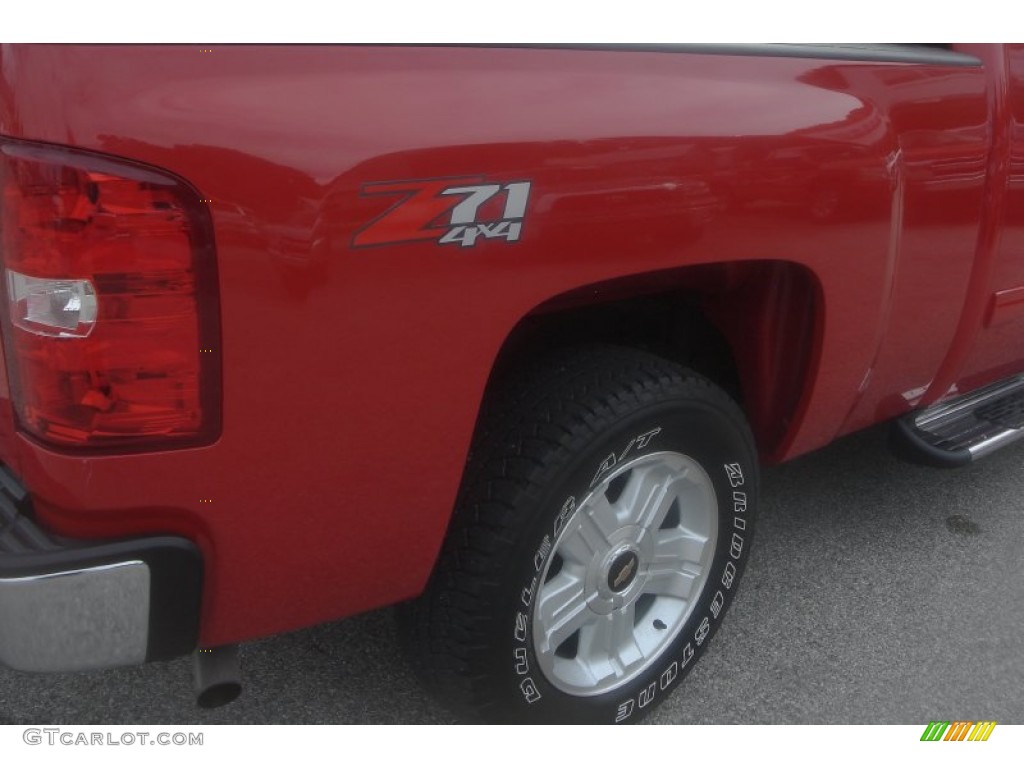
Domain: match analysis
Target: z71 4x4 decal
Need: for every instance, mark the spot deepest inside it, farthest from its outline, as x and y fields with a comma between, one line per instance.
x=463, y=211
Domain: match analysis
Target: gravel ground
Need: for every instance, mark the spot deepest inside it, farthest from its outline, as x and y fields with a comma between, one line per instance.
x=877, y=592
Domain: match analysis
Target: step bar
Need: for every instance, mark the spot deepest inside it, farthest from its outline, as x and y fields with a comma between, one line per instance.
x=956, y=432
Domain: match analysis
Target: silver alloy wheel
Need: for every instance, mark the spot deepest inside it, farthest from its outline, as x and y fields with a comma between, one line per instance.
x=625, y=573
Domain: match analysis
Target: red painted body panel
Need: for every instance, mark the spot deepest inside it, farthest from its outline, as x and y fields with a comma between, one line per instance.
x=992, y=345
x=352, y=377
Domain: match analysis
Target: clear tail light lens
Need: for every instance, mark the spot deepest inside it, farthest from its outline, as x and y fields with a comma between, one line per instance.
x=51, y=307
x=111, y=299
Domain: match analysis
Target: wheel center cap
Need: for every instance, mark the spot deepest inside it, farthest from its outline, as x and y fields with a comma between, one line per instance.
x=622, y=571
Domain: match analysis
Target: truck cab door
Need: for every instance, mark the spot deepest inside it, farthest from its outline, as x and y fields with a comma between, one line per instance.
x=997, y=349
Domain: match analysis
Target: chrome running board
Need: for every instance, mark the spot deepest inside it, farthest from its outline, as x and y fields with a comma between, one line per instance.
x=956, y=432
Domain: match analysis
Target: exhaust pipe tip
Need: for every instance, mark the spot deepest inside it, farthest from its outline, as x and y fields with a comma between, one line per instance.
x=218, y=695
x=218, y=676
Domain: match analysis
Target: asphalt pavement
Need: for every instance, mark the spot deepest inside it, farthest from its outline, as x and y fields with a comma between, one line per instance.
x=877, y=592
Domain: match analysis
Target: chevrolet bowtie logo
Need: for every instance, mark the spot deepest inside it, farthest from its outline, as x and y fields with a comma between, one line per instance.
x=625, y=573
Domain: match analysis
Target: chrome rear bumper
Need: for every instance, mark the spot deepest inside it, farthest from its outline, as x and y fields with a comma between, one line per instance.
x=71, y=605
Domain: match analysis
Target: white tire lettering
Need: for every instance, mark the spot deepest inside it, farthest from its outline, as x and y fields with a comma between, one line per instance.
x=736, y=546
x=529, y=689
x=639, y=442
x=625, y=710
x=647, y=695
x=527, y=594
x=735, y=474
x=605, y=466
x=669, y=675
x=520, y=631
x=542, y=553
x=717, y=603
x=563, y=516
x=728, y=575
x=646, y=437
x=739, y=502
x=702, y=631
x=687, y=655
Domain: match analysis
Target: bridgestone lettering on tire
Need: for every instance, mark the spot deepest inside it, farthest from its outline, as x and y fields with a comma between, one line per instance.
x=600, y=534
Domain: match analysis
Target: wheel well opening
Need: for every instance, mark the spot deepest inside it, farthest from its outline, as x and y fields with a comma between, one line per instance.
x=751, y=327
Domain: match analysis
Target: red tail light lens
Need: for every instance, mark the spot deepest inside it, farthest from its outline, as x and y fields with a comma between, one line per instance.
x=111, y=322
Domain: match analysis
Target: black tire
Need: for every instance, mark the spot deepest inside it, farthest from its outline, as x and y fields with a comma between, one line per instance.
x=544, y=440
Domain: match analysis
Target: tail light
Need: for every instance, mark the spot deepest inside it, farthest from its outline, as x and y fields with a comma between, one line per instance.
x=110, y=318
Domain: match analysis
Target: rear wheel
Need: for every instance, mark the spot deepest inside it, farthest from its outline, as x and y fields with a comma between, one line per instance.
x=603, y=524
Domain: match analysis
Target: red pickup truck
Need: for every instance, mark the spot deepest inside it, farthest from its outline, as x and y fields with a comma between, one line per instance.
x=502, y=334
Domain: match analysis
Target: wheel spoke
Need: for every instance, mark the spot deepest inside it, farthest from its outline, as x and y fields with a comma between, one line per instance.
x=588, y=532
x=608, y=645
x=624, y=633
x=659, y=503
x=696, y=503
x=577, y=546
x=671, y=581
x=678, y=546
x=650, y=493
x=602, y=515
x=562, y=609
x=644, y=484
